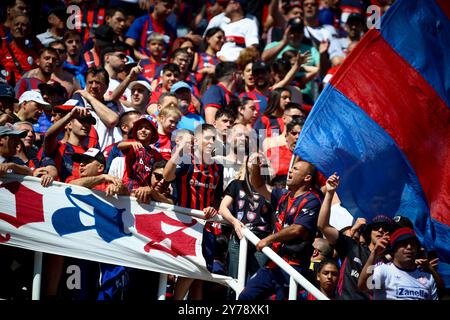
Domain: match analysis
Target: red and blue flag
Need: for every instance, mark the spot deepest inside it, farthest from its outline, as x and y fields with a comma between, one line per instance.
x=383, y=123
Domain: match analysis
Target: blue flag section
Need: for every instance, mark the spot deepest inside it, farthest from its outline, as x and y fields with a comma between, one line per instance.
x=383, y=124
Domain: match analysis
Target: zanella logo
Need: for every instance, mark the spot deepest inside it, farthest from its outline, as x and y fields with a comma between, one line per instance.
x=28, y=211
x=414, y=293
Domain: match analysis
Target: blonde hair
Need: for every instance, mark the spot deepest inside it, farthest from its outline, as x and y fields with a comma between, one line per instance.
x=170, y=110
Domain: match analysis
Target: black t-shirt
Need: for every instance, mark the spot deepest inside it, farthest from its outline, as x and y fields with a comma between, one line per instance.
x=353, y=256
x=257, y=214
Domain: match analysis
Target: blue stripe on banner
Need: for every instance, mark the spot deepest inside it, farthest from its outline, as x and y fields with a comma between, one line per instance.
x=375, y=176
x=428, y=52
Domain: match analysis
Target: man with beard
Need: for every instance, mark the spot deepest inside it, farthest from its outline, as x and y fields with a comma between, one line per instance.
x=47, y=63
x=57, y=17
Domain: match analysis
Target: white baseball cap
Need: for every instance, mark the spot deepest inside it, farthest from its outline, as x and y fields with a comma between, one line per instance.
x=33, y=95
x=142, y=83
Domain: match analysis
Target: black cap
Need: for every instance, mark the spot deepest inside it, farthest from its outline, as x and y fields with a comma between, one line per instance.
x=296, y=24
x=91, y=153
x=402, y=222
x=53, y=87
x=260, y=66
x=105, y=34
x=6, y=91
x=60, y=12
x=355, y=17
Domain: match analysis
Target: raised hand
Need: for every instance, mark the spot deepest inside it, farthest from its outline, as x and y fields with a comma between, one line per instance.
x=332, y=183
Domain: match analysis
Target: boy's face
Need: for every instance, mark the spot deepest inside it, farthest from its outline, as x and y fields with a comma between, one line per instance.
x=168, y=79
x=223, y=124
x=155, y=47
x=182, y=60
x=144, y=132
x=140, y=95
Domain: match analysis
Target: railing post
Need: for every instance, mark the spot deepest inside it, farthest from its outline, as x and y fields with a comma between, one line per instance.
x=242, y=269
x=162, y=287
x=292, y=289
x=37, y=276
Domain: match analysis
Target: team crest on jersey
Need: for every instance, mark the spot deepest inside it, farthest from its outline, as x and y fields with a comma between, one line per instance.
x=253, y=206
x=293, y=209
x=255, y=197
x=240, y=214
x=241, y=204
x=423, y=280
x=251, y=216
x=30, y=60
x=241, y=194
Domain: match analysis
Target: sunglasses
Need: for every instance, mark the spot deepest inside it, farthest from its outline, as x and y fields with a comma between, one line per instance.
x=158, y=176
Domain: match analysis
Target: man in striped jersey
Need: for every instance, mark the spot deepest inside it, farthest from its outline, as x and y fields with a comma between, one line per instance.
x=199, y=184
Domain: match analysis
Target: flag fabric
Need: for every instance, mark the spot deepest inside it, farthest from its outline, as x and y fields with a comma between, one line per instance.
x=77, y=222
x=383, y=123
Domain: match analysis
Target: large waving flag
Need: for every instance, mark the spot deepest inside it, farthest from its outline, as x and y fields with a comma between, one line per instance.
x=383, y=123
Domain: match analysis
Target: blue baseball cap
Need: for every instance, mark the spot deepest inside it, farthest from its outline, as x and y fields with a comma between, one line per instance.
x=179, y=85
x=6, y=91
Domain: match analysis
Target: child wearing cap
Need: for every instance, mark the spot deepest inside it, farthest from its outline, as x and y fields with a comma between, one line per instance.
x=140, y=156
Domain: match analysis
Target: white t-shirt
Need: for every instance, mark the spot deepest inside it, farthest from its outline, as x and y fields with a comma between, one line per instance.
x=392, y=283
x=106, y=136
x=113, y=84
x=238, y=35
x=117, y=168
x=321, y=33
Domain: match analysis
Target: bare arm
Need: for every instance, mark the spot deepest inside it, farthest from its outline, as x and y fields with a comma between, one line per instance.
x=271, y=53
x=256, y=179
x=301, y=59
x=106, y=115
x=225, y=212
x=210, y=115
x=323, y=221
x=16, y=168
x=132, y=76
x=367, y=270
x=89, y=182
x=275, y=12
x=50, y=140
x=137, y=54
x=294, y=231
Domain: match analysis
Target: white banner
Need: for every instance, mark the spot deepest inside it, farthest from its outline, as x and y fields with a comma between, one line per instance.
x=77, y=222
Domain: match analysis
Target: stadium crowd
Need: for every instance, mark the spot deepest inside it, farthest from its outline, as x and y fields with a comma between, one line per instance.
x=198, y=104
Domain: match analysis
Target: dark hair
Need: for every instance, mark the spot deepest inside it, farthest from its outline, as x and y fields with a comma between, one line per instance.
x=209, y=33
x=95, y=71
x=324, y=262
x=178, y=51
x=281, y=66
x=224, y=70
x=225, y=112
x=124, y=117
x=273, y=103
x=112, y=11
x=171, y=67
x=159, y=164
x=297, y=121
x=71, y=34
x=293, y=105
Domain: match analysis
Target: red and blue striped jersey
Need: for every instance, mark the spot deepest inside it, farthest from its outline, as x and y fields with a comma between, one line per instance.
x=151, y=68
x=204, y=61
x=90, y=19
x=138, y=166
x=143, y=26
x=216, y=96
x=260, y=100
x=198, y=186
x=26, y=84
x=269, y=123
x=63, y=160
